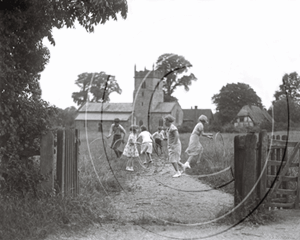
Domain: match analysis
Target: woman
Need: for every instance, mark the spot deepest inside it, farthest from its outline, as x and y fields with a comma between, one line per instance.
x=195, y=148
x=174, y=144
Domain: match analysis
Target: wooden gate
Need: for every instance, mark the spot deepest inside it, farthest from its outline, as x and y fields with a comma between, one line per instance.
x=283, y=181
x=67, y=161
x=278, y=178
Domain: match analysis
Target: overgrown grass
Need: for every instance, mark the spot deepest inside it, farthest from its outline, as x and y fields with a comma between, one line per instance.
x=217, y=155
x=36, y=218
x=31, y=218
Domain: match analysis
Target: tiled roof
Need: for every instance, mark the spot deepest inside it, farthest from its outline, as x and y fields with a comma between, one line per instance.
x=164, y=107
x=106, y=107
x=103, y=116
x=194, y=114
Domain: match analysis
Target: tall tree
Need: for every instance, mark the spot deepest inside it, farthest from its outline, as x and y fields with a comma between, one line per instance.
x=286, y=110
x=232, y=98
x=95, y=87
x=290, y=87
x=174, y=68
x=287, y=99
x=24, y=116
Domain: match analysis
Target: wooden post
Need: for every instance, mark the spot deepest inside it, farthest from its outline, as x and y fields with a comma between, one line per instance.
x=60, y=164
x=250, y=170
x=47, y=161
x=261, y=162
x=238, y=169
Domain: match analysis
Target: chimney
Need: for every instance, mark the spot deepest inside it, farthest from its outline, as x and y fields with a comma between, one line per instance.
x=196, y=107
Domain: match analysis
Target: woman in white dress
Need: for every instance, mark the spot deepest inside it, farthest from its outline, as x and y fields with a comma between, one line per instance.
x=195, y=148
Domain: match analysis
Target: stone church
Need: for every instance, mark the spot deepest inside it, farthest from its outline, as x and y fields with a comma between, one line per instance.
x=146, y=109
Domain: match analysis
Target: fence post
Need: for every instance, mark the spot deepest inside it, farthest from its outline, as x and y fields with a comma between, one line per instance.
x=250, y=169
x=261, y=161
x=60, y=164
x=238, y=169
x=245, y=169
x=47, y=161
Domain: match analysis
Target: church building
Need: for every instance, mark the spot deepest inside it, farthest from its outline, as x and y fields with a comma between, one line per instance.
x=147, y=108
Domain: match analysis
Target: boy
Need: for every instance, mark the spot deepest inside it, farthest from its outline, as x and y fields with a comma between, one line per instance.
x=146, y=147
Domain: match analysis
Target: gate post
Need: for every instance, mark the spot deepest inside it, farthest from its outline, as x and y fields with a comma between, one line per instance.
x=261, y=161
x=60, y=164
x=47, y=161
x=245, y=169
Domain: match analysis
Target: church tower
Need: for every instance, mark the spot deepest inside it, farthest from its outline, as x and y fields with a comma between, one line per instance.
x=147, y=85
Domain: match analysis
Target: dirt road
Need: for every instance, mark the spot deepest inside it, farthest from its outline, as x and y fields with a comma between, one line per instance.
x=157, y=199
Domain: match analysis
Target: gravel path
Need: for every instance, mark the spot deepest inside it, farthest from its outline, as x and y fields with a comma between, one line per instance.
x=182, y=200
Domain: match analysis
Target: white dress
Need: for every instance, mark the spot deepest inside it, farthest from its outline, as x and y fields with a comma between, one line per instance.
x=195, y=148
x=130, y=149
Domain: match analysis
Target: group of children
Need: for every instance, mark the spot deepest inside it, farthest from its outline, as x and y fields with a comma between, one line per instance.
x=194, y=149
x=144, y=138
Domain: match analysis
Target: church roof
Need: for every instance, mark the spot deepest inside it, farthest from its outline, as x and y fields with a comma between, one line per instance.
x=104, y=116
x=164, y=107
x=106, y=107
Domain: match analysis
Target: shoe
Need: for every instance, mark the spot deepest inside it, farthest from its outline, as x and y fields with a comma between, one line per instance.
x=150, y=161
x=187, y=165
x=131, y=169
x=178, y=174
x=127, y=168
x=145, y=162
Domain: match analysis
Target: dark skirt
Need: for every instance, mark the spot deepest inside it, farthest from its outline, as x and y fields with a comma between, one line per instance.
x=116, y=143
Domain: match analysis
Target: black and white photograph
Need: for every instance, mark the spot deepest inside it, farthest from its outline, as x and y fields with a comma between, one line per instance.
x=149, y=119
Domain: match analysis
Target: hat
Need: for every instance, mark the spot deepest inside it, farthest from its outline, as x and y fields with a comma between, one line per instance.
x=117, y=120
x=170, y=118
x=203, y=118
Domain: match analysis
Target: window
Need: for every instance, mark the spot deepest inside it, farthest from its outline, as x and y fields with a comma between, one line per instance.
x=142, y=104
x=140, y=122
x=142, y=94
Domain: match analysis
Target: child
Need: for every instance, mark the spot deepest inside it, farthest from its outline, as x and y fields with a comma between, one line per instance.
x=174, y=144
x=117, y=131
x=146, y=147
x=130, y=149
x=158, y=137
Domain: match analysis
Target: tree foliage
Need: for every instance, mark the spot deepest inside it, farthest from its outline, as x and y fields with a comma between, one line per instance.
x=286, y=106
x=290, y=87
x=232, y=98
x=174, y=68
x=95, y=87
x=24, y=24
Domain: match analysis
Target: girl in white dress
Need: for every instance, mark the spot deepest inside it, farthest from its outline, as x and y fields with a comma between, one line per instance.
x=195, y=148
x=130, y=150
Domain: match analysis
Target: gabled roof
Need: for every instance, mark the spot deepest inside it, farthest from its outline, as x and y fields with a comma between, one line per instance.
x=194, y=114
x=257, y=114
x=164, y=107
x=106, y=107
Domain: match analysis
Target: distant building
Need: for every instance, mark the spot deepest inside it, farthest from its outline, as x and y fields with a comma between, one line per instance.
x=147, y=109
x=190, y=116
x=251, y=116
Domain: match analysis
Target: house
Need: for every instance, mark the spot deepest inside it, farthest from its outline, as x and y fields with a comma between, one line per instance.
x=147, y=108
x=250, y=116
x=190, y=116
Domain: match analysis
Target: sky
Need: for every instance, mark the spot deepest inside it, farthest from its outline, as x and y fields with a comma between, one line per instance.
x=227, y=41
